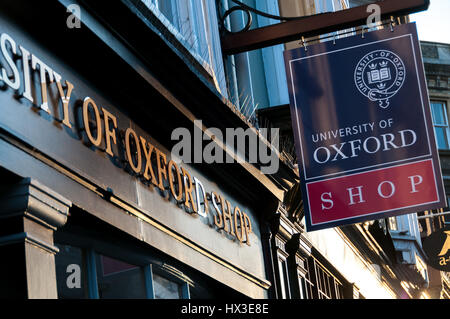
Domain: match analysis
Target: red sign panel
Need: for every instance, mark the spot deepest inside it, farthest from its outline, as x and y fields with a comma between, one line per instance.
x=372, y=192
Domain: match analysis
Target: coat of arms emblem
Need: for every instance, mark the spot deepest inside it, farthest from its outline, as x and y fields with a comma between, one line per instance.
x=379, y=75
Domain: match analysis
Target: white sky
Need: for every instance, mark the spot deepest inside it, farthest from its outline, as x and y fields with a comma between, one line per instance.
x=434, y=24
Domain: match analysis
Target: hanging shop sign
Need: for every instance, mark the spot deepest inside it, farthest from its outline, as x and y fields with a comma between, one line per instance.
x=100, y=130
x=437, y=249
x=362, y=127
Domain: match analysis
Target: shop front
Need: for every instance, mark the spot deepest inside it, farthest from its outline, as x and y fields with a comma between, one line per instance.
x=93, y=203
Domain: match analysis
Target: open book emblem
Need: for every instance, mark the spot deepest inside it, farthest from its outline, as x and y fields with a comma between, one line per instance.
x=379, y=75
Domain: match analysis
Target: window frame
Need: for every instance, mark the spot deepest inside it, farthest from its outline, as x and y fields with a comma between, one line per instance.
x=205, y=45
x=283, y=273
x=445, y=126
x=306, y=282
x=274, y=68
x=327, y=285
x=90, y=254
x=343, y=4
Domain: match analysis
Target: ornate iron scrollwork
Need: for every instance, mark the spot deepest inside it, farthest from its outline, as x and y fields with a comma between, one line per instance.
x=238, y=8
x=248, y=10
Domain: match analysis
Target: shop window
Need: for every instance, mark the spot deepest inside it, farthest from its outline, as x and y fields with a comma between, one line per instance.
x=85, y=274
x=71, y=273
x=119, y=280
x=165, y=288
x=440, y=123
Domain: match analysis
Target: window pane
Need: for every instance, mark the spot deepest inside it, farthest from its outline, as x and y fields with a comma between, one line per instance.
x=447, y=217
x=441, y=137
x=70, y=273
x=165, y=288
x=168, y=8
x=392, y=223
x=285, y=291
x=309, y=278
x=324, y=6
x=438, y=113
x=301, y=286
x=119, y=280
x=327, y=285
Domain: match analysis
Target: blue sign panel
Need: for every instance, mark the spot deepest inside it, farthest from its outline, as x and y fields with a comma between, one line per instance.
x=362, y=124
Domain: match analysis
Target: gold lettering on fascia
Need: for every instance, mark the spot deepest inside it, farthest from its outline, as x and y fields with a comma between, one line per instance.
x=101, y=131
